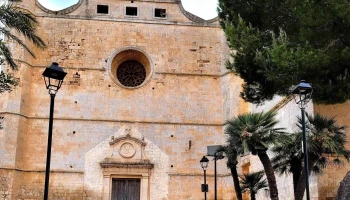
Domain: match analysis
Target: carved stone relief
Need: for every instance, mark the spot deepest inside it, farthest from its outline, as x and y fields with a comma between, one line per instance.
x=128, y=160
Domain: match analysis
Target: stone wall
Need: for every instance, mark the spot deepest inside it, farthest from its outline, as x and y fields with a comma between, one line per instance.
x=177, y=113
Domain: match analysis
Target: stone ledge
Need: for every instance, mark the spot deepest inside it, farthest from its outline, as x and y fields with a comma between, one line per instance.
x=138, y=165
x=112, y=120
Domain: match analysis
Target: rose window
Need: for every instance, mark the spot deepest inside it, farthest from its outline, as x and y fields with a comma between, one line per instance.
x=131, y=73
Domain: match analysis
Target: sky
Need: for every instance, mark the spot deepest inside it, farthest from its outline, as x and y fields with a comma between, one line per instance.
x=205, y=9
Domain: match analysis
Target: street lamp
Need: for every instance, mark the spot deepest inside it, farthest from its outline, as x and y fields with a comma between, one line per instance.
x=302, y=95
x=53, y=77
x=204, y=163
x=212, y=151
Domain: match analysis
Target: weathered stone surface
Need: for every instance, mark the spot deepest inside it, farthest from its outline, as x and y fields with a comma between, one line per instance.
x=179, y=111
x=344, y=188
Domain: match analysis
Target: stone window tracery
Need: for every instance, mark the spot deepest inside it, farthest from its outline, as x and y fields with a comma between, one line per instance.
x=130, y=67
x=131, y=73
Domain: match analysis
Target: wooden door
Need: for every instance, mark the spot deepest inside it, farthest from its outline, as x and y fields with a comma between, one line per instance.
x=126, y=189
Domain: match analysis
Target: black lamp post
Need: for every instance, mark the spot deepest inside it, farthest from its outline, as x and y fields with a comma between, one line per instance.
x=212, y=151
x=204, y=163
x=53, y=77
x=302, y=95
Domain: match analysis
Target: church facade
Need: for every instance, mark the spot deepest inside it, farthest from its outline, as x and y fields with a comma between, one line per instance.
x=145, y=94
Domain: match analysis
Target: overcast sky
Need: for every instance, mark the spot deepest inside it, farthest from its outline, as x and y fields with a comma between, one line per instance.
x=205, y=9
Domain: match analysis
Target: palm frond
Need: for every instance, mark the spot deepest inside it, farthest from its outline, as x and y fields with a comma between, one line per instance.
x=254, y=132
x=6, y=53
x=17, y=40
x=16, y=18
x=253, y=182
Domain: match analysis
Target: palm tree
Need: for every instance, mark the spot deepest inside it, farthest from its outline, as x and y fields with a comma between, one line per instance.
x=231, y=154
x=253, y=182
x=326, y=144
x=255, y=132
x=289, y=159
x=15, y=18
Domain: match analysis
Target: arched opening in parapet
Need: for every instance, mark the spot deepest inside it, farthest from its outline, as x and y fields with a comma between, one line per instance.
x=205, y=9
x=56, y=5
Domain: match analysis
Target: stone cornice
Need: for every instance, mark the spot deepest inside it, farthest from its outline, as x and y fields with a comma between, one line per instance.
x=114, y=120
x=139, y=165
x=161, y=73
x=41, y=170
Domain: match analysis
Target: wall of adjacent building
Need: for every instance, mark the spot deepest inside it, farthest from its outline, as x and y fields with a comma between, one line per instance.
x=287, y=113
x=329, y=180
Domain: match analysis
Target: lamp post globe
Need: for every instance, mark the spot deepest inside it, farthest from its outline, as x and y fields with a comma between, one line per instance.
x=302, y=95
x=53, y=77
x=204, y=162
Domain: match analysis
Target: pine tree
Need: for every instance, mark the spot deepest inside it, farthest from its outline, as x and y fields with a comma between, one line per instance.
x=278, y=43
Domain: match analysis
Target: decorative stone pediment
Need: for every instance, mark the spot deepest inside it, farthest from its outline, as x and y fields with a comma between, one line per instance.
x=128, y=152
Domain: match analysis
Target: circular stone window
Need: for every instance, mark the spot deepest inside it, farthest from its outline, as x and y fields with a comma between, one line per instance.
x=131, y=73
x=130, y=68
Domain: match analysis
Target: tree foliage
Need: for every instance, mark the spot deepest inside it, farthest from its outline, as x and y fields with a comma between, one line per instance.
x=7, y=81
x=326, y=145
x=24, y=23
x=256, y=132
x=253, y=182
x=278, y=43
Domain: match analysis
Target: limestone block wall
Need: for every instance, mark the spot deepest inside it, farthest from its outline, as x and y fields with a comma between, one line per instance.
x=178, y=112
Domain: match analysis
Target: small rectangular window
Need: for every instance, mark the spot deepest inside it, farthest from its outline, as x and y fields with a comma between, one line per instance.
x=131, y=11
x=102, y=9
x=160, y=12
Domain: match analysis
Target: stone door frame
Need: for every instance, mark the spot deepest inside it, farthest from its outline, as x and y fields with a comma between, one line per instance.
x=141, y=173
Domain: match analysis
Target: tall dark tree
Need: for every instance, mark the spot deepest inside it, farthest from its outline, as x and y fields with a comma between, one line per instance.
x=231, y=153
x=253, y=182
x=256, y=132
x=278, y=43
